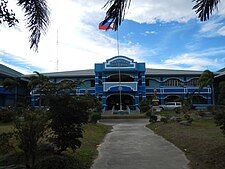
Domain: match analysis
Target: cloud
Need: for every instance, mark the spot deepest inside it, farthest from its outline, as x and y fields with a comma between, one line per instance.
x=200, y=60
x=150, y=11
x=213, y=28
x=81, y=44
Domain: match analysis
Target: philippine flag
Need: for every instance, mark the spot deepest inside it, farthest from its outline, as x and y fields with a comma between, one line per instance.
x=106, y=25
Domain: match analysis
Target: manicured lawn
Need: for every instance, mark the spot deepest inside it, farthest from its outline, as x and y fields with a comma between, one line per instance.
x=93, y=136
x=202, y=142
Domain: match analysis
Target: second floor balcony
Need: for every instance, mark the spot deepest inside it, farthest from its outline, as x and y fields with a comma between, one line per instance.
x=117, y=86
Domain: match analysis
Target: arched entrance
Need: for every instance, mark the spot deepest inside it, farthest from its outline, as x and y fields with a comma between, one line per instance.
x=172, y=98
x=114, y=101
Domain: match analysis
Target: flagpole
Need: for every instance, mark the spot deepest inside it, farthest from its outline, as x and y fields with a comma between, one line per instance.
x=118, y=52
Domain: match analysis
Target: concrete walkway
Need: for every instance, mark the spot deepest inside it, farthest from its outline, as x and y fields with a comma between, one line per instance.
x=131, y=145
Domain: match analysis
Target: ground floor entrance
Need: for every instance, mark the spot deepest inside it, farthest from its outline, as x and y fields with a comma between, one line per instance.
x=113, y=101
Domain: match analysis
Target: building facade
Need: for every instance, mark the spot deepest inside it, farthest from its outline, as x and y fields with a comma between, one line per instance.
x=121, y=83
x=16, y=92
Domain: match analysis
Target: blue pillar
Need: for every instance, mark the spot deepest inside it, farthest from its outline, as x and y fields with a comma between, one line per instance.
x=104, y=106
x=136, y=100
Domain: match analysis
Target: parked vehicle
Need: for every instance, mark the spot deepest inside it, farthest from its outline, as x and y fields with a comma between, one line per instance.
x=171, y=105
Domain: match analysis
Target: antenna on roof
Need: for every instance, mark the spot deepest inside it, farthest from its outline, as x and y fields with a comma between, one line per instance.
x=57, y=52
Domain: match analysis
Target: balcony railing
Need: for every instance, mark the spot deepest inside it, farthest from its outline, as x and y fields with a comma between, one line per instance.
x=178, y=90
x=119, y=85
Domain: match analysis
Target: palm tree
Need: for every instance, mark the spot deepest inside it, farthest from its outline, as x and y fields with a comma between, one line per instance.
x=40, y=83
x=37, y=16
x=117, y=9
x=207, y=79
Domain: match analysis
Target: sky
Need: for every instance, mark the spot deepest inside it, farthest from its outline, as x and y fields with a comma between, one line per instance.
x=164, y=35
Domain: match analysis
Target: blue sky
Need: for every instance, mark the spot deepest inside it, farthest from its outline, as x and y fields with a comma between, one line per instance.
x=163, y=35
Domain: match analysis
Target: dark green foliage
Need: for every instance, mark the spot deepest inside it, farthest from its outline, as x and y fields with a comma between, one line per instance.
x=6, y=115
x=58, y=162
x=148, y=113
x=68, y=114
x=220, y=117
x=164, y=119
x=206, y=79
x=7, y=15
x=177, y=110
x=6, y=144
x=204, y=8
x=29, y=130
x=37, y=15
x=95, y=117
x=222, y=93
x=144, y=105
x=153, y=118
x=116, y=11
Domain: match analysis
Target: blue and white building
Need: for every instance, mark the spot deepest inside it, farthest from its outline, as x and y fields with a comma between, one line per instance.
x=120, y=83
x=121, y=78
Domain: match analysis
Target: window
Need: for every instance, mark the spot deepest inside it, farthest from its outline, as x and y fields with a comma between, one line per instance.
x=193, y=82
x=146, y=82
x=92, y=83
x=172, y=82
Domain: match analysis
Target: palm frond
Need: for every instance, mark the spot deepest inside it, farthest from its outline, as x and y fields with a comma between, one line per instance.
x=37, y=15
x=116, y=11
x=7, y=15
x=204, y=8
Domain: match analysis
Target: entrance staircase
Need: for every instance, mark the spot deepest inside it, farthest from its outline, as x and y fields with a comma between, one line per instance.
x=127, y=111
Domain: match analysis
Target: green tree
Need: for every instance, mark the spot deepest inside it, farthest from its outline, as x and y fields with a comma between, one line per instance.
x=207, y=79
x=29, y=131
x=68, y=114
x=222, y=93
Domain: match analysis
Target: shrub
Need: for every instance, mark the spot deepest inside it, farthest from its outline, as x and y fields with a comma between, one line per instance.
x=220, y=118
x=6, y=145
x=58, y=162
x=187, y=116
x=29, y=130
x=153, y=118
x=95, y=117
x=144, y=105
x=6, y=115
x=164, y=119
x=148, y=113
x=177, y=110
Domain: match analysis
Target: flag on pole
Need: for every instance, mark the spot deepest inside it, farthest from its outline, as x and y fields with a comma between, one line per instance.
x=106, y=25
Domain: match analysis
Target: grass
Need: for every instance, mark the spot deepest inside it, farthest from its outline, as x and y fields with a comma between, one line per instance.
x=93, y=136
x=5, y=127
x=202, y=142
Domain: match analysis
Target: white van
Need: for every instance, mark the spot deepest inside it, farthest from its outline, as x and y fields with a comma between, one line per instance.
x=171, y=105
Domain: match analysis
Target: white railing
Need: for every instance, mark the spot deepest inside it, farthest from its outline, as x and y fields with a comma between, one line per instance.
x=108, y=85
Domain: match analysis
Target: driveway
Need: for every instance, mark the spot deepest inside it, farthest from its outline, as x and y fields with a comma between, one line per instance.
x=131, y=145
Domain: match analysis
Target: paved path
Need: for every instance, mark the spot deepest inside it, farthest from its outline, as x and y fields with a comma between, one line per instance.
x=131, y=145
